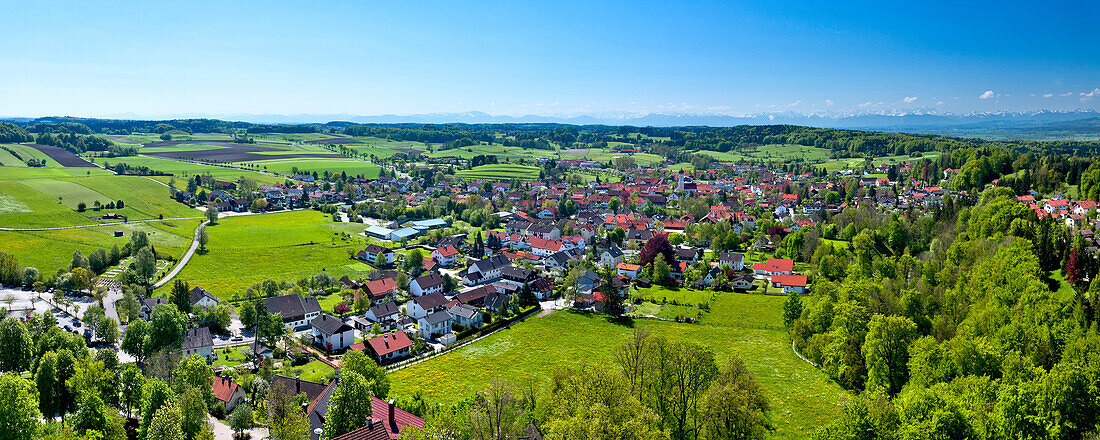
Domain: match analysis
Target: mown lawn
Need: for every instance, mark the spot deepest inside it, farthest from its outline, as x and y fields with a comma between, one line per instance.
x=24, y=207
x=182, y=170
x=680, y=295
x=314, y=371
x=500, y=172
x=802, y=397
x=281, y=246
x=338, y=164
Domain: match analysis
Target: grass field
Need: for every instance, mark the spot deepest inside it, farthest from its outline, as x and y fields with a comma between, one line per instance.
x=9, y=160
x=281, y=246
x=749, y=326
x=492, y=150
x=678, y=295
x=28, y=152
x=314, y=371
x=604, y=155
x=67, y=192
x=338, y=164
x=23, y=206
x=53, y=250
x=500, y=172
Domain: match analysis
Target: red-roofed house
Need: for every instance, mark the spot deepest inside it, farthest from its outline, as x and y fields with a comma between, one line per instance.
x=774, y=266
x=447, y=256
x=628, y=270
x=788, y=283
x=390, y=346
x=228, y=392
x=380, y=289
x=387, y=417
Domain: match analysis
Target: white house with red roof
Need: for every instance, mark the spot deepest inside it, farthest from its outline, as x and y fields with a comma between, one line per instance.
x=789, y=283
x=773, y=267
x=446, y=256
x=390, y=346
x=227, y=392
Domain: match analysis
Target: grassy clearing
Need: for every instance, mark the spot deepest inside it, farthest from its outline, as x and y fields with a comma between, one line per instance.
x=338, y=164
x=314, y=371
x=604, y=155
x=52, y=250
x=27, y=152
x=492, y=150
x=659, y=294
x=182, y=148
x=281, y=246
x=23, y=206
x=802, y=397
x=15, y=173
x=500, y=172
x=144, y=199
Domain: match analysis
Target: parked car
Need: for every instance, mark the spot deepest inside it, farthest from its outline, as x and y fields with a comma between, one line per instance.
x=68, y=328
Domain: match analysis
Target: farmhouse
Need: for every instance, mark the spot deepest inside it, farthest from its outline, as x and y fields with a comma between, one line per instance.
x=295, y=310
x=201, y=298
x=611, y=256
x=379, y=290
x=148, y=304
x=485, y=271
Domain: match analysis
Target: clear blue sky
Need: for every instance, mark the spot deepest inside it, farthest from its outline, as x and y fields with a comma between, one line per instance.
x=559, y=57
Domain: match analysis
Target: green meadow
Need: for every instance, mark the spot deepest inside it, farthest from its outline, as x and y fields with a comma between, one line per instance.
x=338, y=164
x=244, y=250
x=749, y=326
x=500, y=172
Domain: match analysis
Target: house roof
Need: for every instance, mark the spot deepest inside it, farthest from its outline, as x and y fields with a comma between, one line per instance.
x=152, y=303
x=491, y=263
x=290, y=306
x=329, y=325
x=686, y=254
x=496, y=300
x=296, y=386
x=387, y=308
x=198, y=293
x=463, y=311
x=790, y=280
x=198, y=338
x=732, y=257
x=429, y=281
x=381, y=420
x=628, y=267
x=446, y=251
x=390, y=342
x=224, y=388
x=437, y=317
x=430, y=301
x=516, y=273
x=775, y=265
x=614, y=251
x=475, y=295
x=381, y=287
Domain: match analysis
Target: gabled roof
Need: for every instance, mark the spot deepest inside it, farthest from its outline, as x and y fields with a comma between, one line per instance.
x=732, y=257
x=296, y=386
x=197, y=338
x=614, y=251
x=224, y=388
x=329, y=325
x=463, y=311
x=491, y=263
x=447, y=251
x=387, y=308
x=289, y=305
x=775, y=265
x=381, y=287
x=152, y=303
x=430, y=301
x=790, y=280
x=429, y=281
x=198, y=293
x=437, y=317
x=390, y=342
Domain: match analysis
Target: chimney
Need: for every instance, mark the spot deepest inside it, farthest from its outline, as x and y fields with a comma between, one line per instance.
x=393, y=420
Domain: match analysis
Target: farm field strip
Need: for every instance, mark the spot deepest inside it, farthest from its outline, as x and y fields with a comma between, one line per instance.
x=62, y=156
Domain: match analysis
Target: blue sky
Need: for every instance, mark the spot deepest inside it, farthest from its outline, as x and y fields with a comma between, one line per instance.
x=158, y=59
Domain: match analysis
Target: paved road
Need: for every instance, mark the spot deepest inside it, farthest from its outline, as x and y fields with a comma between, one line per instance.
x=185, y=258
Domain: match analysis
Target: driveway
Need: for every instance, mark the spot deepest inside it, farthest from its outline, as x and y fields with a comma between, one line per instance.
x=222, y=430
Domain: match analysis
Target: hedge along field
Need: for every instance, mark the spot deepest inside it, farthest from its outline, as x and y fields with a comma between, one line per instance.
x=282, y=246
x=29, y=152
x=182, y=170
x=501, y=171
x=353, y=167
x=53, y=250
x=802, y=397
x=143, y=199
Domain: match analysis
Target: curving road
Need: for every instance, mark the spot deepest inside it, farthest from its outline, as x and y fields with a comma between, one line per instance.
x=186, y=256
